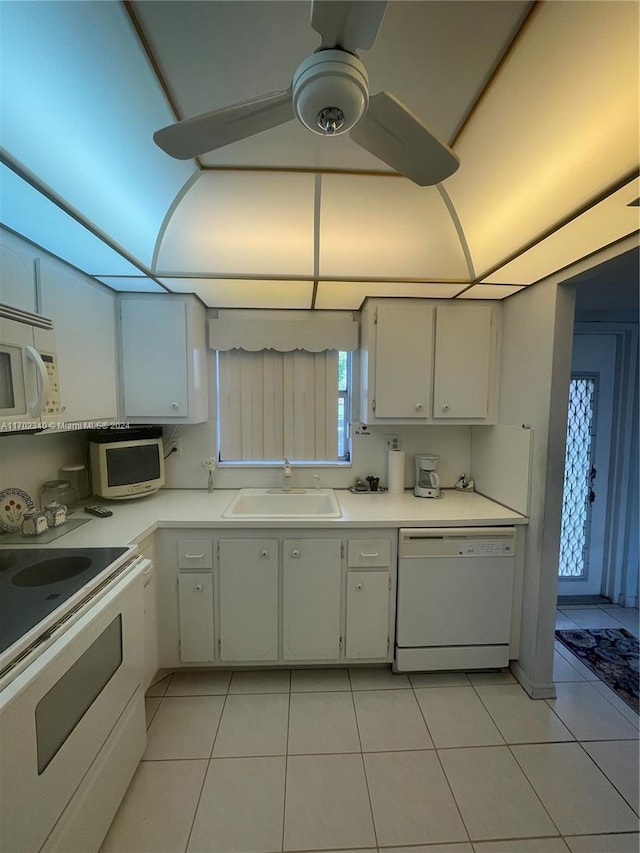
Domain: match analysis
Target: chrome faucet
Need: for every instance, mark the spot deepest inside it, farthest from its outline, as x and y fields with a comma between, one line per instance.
x=286, y=472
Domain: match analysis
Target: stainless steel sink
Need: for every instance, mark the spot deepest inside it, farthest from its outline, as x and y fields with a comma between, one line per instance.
x=277, y=503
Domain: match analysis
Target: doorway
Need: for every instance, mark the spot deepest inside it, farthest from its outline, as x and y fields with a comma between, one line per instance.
x=583, y=569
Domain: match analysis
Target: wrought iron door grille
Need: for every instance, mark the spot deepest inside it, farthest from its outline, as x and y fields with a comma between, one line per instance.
x=578, y=478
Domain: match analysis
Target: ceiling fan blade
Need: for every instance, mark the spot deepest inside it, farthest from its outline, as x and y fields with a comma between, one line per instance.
x=198, y=135
x=393, y=134
x=347, y=25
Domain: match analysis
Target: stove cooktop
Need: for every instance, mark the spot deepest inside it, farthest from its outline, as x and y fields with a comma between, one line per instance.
x=36, y=581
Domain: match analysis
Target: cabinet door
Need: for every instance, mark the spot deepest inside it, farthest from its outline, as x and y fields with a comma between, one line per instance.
x=248, y=599
x=403, y=365
x=195, y=593
x=154, y=358
x=84, y=321
x=367, y=615
x=462, y=361
x=311, y=615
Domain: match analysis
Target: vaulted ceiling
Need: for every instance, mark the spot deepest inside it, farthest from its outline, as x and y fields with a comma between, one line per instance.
x=539, y=101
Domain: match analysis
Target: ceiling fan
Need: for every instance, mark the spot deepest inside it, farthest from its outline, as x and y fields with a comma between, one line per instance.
x=329, y=94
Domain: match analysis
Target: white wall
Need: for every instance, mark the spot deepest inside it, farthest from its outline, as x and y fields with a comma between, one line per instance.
x=536, y=363
x=27, y=461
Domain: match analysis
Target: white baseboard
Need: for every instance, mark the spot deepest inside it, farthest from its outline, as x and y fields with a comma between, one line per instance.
x=544, y=690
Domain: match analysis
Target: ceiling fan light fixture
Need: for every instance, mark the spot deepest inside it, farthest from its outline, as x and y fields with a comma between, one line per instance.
x=330, y=92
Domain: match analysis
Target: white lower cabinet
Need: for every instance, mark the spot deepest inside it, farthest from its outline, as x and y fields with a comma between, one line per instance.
x=311, y=599
x=195, y=596
x=248, y=599
x=367, y=628
x=305, y=597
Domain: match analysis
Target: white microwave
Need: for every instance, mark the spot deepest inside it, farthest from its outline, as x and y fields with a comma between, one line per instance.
x=29, y=385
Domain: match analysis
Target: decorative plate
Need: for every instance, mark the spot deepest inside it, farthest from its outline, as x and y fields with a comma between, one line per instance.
x=13, y=505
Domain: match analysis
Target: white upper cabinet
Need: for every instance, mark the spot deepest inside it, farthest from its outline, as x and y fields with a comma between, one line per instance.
x=162, y=359
x=424, y=361
x=84, y=322
x=17, y=273
x=464, y=361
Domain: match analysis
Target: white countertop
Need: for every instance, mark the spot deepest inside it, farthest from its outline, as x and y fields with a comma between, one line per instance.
x=133, y=520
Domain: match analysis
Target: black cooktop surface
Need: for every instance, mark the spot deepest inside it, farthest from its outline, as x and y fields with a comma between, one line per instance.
x=36, y=581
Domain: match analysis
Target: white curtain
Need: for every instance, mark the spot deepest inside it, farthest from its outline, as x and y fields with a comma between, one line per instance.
x=277, y=404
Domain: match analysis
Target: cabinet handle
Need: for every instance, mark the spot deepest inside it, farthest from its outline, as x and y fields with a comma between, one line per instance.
x=264, y=553
x=198, y=587
x=295, y=553
x=359, y=586
x=418, y=406
x=362, y=554
x=445, y=407
x=175, y=405
x=193, y=556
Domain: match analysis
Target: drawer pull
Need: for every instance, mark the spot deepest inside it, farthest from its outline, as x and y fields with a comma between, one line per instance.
x=264, y=553
x=193, y=556
x=198, y=587
x=359, y=586
x=370, y=556
x=295, y=553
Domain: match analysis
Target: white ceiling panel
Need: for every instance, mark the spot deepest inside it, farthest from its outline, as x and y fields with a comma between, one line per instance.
x=349, y=295
x=377, y=228
x=245, y=223
x=243, y=293
x=599, y=226
x=29, y=213
x=491, y=291
x=558, y=126
x=78, y=106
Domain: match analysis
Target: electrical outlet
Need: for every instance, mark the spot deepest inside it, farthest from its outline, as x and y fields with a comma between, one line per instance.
x=175, y=447
x=392, y=442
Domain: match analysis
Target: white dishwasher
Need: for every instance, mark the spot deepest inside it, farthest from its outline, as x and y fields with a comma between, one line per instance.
x=455, y=590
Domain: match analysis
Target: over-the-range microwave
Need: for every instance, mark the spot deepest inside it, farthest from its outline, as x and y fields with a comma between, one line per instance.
x=29, y=384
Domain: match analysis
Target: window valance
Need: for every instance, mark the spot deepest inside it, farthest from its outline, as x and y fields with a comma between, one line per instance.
x=284, y=331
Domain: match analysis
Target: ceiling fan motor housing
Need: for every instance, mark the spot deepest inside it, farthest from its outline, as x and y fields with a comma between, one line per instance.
x=330, y=92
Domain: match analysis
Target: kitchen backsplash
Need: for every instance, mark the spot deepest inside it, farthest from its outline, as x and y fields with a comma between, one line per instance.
x=27, y=461
x=369, y=457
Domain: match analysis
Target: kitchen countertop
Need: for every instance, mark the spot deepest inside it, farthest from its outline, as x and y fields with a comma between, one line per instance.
x=133, y=520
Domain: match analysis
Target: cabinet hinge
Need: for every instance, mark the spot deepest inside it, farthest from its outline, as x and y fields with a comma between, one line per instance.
x=340, y=644
x=389, y=583
x=219, y=647
x=388, y=643
x=342, y=550
x=373, y=405
x=375, y=317
x=218, y=551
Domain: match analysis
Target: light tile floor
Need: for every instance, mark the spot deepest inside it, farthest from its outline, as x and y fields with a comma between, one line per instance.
x=364, y=760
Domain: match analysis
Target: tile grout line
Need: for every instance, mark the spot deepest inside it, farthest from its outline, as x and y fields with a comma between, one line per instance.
x=364, y=766
x=206, y=772
x=606, y=775
x=286, y=766
x=444, y=774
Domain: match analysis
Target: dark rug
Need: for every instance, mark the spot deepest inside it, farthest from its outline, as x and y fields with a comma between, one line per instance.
x=612, y=653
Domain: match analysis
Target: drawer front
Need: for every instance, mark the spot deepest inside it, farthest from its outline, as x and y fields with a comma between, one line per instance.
x=195, y=554
x=369, y=552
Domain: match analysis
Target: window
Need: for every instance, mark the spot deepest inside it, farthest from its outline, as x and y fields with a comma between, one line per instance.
x=273, y=405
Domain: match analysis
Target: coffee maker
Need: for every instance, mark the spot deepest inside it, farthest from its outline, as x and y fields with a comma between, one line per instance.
x=427, y=481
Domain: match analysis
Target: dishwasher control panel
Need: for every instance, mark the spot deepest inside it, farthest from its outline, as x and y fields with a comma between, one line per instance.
x=469, y=548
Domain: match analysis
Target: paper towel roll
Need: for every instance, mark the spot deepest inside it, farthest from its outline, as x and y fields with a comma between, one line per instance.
x=395, y=472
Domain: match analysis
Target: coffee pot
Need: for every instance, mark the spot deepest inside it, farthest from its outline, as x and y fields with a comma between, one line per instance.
x=427, y=480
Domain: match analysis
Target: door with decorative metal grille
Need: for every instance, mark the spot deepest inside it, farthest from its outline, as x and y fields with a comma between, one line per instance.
x=584, y=507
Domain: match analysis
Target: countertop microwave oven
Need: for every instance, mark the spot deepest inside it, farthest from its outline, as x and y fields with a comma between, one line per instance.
x=126, y=463
x=29, y=384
